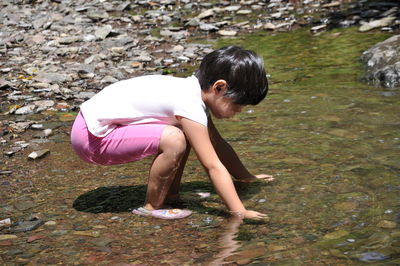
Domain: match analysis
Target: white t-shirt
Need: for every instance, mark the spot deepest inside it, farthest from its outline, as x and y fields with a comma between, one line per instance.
x=146, y=99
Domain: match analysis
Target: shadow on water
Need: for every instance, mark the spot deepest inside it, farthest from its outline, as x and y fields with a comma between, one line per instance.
x=125, y=198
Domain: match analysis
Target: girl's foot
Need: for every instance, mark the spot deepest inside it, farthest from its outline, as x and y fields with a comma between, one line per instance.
x=163, y=213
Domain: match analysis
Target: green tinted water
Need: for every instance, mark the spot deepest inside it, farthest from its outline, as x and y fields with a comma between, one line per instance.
x=332, y=142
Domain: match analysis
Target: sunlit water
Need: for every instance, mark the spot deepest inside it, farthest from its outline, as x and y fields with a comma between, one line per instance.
x=331, y=141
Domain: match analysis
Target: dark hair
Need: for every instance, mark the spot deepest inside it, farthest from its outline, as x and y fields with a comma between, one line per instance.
x=243, y=71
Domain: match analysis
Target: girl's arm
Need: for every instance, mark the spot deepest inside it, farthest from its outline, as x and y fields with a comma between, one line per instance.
x=229, y=157
x=199, y=139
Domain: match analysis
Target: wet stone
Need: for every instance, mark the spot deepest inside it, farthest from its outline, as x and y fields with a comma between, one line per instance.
x=372, y=256
x=336, y=234
x=7, y=237
x=26, y=226
x=81, y=227
x=386, y=224
x=38, y=154
x=24, y=205
x=102, y=242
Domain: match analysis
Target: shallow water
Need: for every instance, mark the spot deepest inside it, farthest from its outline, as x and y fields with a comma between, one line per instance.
x=331, y=141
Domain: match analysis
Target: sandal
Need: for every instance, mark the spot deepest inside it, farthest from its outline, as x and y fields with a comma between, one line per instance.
x=163, y=213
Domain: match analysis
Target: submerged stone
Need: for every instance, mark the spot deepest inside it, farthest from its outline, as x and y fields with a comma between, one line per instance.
x=336, y=234
x=372, y=256
x=26, y=226
x=386, y=224
x=7, y=237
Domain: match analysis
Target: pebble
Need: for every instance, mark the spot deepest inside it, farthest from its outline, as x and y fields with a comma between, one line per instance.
x=227, y=32
x=377, y=24
x=372, y=256
x=50, y=223
x=207, y=220
x=103, y=32
x=25, y=226
x=87, y=233
x=38, y=154
x=5, y=222
x=7, y=237
x=386, y=224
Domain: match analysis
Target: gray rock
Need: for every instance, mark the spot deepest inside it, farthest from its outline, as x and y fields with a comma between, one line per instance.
x=383, y=63
x=244, y=12
x=206, y=14
x=4, y=84
x=208, y=27
x=52, y=77
x=372, y=256
x=24, y=205
x=377, y=24
x=232, y=8
x=28, y=109
x=38, y=154
x=69, y=40
x=84, y=95
x=20, y=126
x=144, y=57
x=86, y=71
x=227, y=32
x=97, y=15
x=194, y=22
x=67, y=51
x=108, y=79
x=43, y=105
x=26, y=226
x=103, y=32
x=40, y=22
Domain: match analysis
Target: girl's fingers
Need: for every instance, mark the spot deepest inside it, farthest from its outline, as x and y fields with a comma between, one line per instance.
x=265, y=177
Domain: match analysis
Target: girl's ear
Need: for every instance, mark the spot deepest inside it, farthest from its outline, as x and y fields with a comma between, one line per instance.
x=220, y=86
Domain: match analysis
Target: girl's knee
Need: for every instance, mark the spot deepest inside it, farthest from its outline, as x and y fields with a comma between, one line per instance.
x=173, y=140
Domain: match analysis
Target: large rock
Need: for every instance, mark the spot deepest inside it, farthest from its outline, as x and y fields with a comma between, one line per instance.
x=377, y=24
x=383, y=63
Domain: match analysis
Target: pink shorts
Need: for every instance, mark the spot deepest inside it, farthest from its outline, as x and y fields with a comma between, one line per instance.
x=122, y=145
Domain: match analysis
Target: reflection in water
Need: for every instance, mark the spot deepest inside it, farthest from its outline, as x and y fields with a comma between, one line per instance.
x=227, y=241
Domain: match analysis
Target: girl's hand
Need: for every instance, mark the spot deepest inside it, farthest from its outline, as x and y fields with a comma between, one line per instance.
x=266, y=178
x=249, y=214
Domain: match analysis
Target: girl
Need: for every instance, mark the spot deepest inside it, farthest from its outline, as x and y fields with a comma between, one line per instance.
x=165, y=116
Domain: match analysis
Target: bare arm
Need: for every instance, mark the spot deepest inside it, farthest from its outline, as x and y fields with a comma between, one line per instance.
x=230, y=158
x=199, y=139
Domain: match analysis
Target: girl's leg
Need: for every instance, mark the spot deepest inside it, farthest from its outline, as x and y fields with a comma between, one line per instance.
x=166, y=166
x=173, y=193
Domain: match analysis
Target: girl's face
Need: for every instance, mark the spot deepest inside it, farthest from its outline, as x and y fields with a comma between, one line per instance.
x=220, y=105
x=223, y=107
